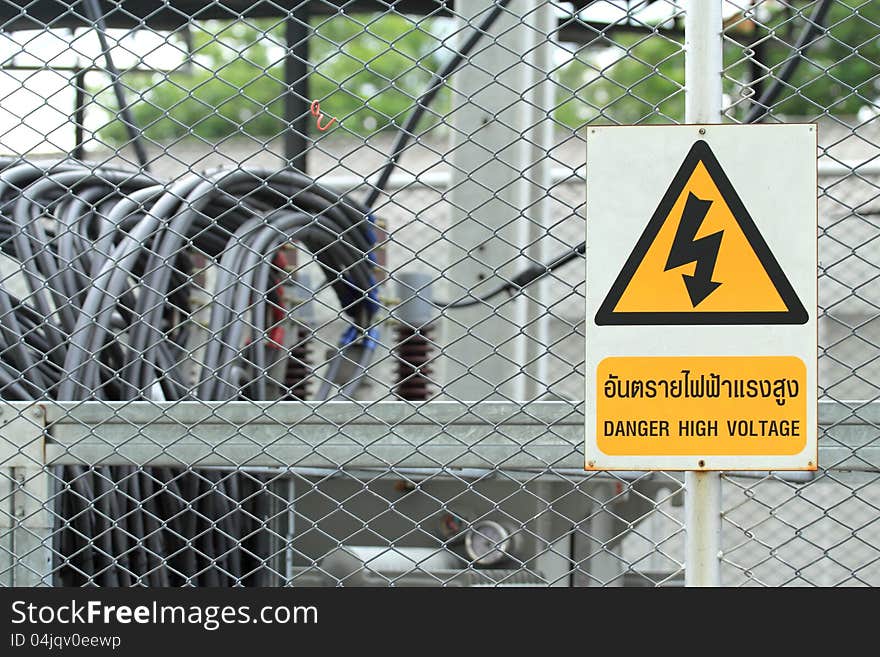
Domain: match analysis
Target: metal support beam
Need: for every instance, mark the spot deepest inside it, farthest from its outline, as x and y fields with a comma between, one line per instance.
x=539, y=91
x=703, y=67
x=296, y=77
x=538, y=443
x=163, y=15
x=540, y=437
x=601, y=555
x=552, y=536
x=702, y=508
x=25, y=494
x=79, y=114
x=32, y=526
x=498, y=107
x=316, y=435
x=7, y=522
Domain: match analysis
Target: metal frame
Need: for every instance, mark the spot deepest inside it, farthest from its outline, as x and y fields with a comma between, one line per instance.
x=314, y=435
x=25, y=491
x=171, y=15
x=539, y=442
x=543, y=437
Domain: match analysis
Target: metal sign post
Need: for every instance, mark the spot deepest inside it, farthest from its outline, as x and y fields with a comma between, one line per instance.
x=701, y=297
x=702, y=97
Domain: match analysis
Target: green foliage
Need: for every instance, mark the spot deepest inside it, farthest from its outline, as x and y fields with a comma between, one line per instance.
x=638, y=80
x=367, y=71
x=229, y=86
x=235, y=82
x=840, y=72
x=372, y=79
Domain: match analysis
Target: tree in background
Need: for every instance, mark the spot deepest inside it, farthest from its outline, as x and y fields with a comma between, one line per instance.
x=369, y=69
x=638, y=79
x=641, y=78
x=840, y=71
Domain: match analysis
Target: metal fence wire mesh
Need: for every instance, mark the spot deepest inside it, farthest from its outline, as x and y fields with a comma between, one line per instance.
x=271, y=310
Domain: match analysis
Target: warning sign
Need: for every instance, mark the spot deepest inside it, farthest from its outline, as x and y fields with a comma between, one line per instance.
x=701, y=259
x=701, y=298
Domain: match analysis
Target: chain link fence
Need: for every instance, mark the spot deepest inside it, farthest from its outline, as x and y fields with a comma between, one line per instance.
x=270, y=303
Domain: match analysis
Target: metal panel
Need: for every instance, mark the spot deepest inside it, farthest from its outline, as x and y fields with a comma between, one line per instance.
x=398, y=434
x=489, y=435
x=499, y=146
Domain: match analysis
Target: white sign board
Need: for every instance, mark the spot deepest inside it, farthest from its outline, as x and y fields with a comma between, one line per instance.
x=701, y=298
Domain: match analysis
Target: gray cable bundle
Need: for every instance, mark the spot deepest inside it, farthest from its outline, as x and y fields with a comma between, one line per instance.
x=106, y=256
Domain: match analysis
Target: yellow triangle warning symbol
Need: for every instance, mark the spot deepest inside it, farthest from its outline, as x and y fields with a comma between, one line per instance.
x=701, y=260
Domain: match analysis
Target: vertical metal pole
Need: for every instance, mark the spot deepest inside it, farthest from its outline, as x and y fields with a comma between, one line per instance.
x=79, y=114
x=296, y=77
x=702, y=498
x=7, y=526
x=32, y=534
x=495, y=175
x=291, y=530
x=535, y=146
x=702, y=510
x=552, y=538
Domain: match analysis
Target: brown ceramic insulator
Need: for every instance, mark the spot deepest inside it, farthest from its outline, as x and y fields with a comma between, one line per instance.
x=298, y=375
x=413, y=351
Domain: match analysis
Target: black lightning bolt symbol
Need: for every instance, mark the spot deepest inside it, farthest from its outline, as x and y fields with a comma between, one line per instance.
x=703, y=251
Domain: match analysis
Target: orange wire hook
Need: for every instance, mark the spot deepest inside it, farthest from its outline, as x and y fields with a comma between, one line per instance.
x=319, y=115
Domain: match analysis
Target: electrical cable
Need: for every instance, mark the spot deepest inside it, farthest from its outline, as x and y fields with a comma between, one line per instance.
x=536, y=271
x=815, y=23
x=104, y=256
x=438, y=81
x=521, y=280
x=96, y=16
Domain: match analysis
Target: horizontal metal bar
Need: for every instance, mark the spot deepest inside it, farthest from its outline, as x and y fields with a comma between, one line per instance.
x=159, y=15
x=88, y=68
x=834, y=169
x=348, y=183
x=439, y=180
x=419, y=576
x=496, y=435
x=335, y=434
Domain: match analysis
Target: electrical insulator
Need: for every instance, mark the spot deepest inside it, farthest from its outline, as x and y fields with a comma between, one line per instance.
x=298, y=373
x=298, y=368
x=413, y=347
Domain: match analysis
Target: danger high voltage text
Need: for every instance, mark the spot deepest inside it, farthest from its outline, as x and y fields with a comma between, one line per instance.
x=704, y=386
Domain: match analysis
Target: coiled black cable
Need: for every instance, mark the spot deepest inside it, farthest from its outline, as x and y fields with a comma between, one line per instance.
x=105, y=257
